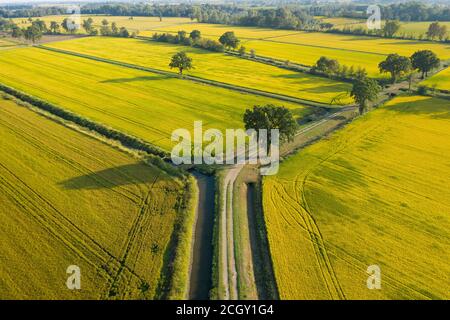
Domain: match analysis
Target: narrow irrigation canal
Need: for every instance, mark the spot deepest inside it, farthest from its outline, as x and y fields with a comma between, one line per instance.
x=200, y=278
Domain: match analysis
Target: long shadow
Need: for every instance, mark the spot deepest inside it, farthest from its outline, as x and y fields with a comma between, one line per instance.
x=178, y=45
x=134, y=79
x=112, y=177
x=266, y=285
x=435, y=108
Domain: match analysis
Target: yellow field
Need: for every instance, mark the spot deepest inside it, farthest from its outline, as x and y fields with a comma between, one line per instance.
x=70, y=200
x=214, y=66
x=135, y=24
x=365, y=44
x=440, y=80
x=308, y=47
x=408, y=29
x=214, y=31
x=6, y=44
x=375, y=193
x=147, y=105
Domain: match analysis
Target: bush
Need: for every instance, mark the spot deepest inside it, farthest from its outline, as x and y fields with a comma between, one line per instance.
x=422, y=90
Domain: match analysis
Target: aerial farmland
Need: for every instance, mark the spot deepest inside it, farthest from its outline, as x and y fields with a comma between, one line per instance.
x=208, y=152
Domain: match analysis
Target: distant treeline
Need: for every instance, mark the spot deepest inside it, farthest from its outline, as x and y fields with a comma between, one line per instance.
x=409, y=11
x=288, y=15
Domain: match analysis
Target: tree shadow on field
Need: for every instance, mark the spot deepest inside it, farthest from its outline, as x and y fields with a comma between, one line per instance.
x=130, y=174
x=134, y=79
x=178, y=46
x=434, y=108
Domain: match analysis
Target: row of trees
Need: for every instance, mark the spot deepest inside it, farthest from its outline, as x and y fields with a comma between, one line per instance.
x=333, y=69
x=194, y=39
x=292, y=16
x=38, y=28
x=424, y=61
x=407, y=11
x=227, y=41
x=391, y=29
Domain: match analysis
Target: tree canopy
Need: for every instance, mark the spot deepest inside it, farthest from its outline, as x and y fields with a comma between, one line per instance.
x=181, y=61
x=425, y=61
x=271, y=117
x=229, y=40
x=396, y=65
x=363, y=91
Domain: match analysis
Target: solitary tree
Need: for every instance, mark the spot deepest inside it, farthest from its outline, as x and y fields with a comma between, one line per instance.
x=271, y=117
x=181, y=61
x=425, y=61
x=363, y=91
x=396, y=65
x=229, y=40
x=390, y=28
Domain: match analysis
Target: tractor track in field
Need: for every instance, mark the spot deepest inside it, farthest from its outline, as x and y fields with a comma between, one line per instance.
x=134, y=236
x=57, y=223
x=328, y=272
x=75, y=165
x=228, y=265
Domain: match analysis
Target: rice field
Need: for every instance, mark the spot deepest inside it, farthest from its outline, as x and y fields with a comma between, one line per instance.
x=214, y=31
x=440, y=80
x=409, y=29
x=307, y=47
x=135, y=24
x=146, y=105
x=375, y=193
x=362, y=44
x=68, y=199
x=214, y=66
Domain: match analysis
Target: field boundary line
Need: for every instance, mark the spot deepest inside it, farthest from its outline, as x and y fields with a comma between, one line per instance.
x=304, y=102
x=322, y=47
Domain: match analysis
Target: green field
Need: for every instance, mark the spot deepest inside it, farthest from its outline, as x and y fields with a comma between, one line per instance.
x=146, y=105
x=375, y=192
x=68, y=199
x=440, y=80
x=214, y=66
